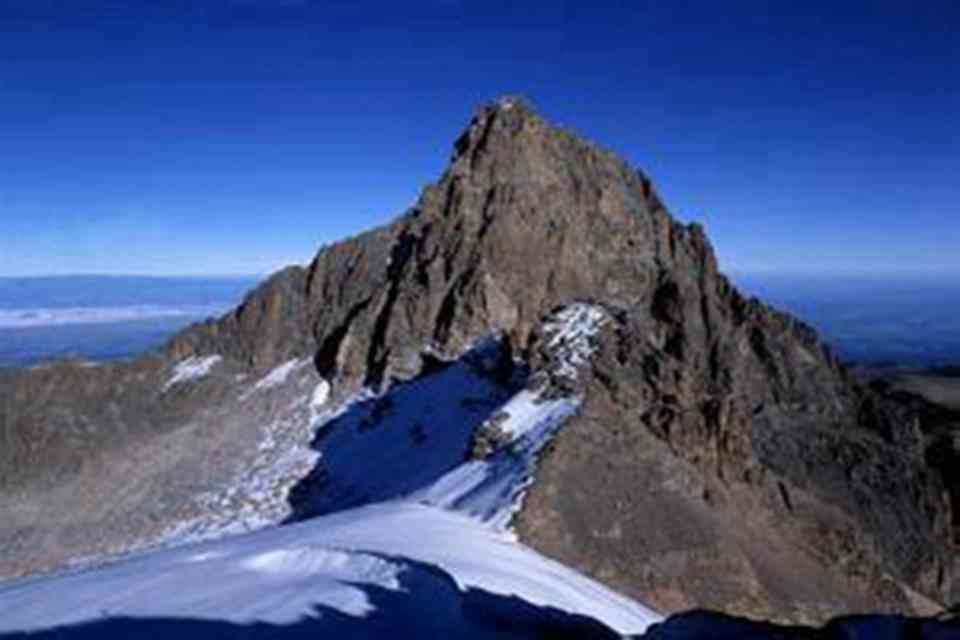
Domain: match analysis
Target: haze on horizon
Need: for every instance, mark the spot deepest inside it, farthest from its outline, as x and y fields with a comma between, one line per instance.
x=237, y=136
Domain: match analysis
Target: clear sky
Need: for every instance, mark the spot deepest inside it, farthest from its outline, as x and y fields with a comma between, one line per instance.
x=234, y=136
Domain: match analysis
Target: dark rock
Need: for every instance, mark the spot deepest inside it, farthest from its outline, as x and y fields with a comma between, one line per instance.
x=489, y=438
x=707, y=625
x=268, y=328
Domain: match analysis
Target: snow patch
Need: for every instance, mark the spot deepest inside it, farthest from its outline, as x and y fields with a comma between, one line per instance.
x=203, y=557
x=427, y=558
x=276, y=377
x=571, y=334
x=391, y=445
x=259, y=495
x=330, y=562
x=491, y=490
x=321, y=394
x=279, y=375
x=193, y=368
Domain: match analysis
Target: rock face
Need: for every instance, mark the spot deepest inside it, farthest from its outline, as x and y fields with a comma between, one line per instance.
x=723, y=458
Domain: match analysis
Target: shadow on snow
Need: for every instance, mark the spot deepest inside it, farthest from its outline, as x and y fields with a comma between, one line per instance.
x=390, y=446
x=427, y=604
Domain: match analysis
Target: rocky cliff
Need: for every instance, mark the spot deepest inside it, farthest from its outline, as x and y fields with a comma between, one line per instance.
x=722, y=458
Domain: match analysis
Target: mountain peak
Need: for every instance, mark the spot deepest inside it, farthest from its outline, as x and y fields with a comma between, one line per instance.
x=764, y=467
x=704, y=384
x=508, y=114
x=508, y=142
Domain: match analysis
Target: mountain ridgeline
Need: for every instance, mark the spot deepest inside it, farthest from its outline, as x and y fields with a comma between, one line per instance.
x=722, y=457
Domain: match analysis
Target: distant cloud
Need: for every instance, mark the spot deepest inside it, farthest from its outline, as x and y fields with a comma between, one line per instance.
x=45, y=317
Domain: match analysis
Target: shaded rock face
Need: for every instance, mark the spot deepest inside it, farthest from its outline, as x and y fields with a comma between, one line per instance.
x=706, y=625
x=264, y=331
x=689, y=483
x=723, y=458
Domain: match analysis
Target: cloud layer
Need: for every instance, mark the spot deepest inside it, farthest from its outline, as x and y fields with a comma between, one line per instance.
x=41, y=317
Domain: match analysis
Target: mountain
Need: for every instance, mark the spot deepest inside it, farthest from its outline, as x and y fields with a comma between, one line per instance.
x=537, y=326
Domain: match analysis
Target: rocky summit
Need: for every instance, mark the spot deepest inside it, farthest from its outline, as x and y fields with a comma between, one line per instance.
x=720, y=458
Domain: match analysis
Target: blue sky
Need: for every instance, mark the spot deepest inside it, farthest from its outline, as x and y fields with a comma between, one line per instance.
x=234, y=136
